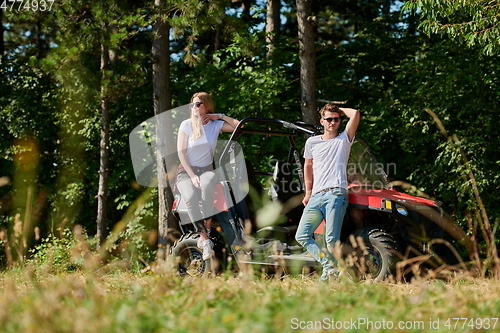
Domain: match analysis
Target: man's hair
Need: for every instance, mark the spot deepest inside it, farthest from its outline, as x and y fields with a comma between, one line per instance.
x=329, y=108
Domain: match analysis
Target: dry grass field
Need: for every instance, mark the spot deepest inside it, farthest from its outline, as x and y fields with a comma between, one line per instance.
x=33, y=299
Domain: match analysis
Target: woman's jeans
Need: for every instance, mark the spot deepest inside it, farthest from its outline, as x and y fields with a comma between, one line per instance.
x=190, y=195
x=330, y=205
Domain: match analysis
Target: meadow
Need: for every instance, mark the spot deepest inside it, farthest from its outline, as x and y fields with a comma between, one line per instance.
x=112, y=299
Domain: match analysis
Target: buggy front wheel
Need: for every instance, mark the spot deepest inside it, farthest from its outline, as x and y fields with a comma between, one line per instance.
x=189, y=258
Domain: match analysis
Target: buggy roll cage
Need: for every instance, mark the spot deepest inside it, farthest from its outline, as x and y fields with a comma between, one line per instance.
x=299, y=126
x=293, y=154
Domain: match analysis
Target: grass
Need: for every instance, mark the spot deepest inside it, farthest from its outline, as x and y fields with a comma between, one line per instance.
x=32, y=300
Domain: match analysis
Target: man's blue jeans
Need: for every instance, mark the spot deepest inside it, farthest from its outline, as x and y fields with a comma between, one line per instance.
x=330, y=205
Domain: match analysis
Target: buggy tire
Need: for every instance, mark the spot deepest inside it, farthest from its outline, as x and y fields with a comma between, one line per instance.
x=189, y=258
x=374, y=254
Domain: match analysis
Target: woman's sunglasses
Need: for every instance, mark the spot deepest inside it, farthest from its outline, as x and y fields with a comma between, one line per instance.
x=197, y=104
x=336, y=119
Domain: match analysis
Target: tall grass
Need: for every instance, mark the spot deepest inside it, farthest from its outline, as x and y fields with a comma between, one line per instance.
x=103, y=300
x=70, y=288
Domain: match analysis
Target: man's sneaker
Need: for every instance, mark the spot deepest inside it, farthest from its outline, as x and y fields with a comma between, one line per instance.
x=331, y=274
x=207, y=246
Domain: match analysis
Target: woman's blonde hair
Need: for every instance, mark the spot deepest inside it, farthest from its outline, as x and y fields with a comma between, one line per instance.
x=206, y=98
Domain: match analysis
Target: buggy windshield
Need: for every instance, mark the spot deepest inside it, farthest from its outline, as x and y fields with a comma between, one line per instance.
x=363, y=168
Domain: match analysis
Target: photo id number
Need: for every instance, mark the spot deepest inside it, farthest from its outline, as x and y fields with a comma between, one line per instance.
x=27, y=5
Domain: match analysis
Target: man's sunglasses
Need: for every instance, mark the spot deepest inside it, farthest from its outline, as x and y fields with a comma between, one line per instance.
x=197, y=104
x=336, y=119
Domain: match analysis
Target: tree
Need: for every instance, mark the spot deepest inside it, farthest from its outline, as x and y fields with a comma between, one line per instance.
x=245, y=6
x=307, y=56
x=477, y=22
x=98, y=64
x=162, y=102
x=102, y=192
x=272, y=26
x=2, y=41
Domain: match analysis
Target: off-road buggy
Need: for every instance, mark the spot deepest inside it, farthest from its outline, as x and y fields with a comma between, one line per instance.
x=385, y=233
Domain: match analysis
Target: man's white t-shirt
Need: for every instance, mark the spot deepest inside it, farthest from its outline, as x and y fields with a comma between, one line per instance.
x=200, y=152
x=330, y=158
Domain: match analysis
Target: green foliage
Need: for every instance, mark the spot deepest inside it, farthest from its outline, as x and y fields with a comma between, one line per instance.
x=444, y=77
x=240, y=80
x=475, y=22
x=367, y=53
x=137, y=242
x=59, y=254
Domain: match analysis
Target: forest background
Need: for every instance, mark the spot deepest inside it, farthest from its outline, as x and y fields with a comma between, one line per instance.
x=78, y=77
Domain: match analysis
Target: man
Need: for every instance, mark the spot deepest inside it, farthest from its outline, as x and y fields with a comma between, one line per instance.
x=325, y=175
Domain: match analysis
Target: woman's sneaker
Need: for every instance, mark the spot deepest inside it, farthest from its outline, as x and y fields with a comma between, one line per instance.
x=207, y=246
x=200, y=241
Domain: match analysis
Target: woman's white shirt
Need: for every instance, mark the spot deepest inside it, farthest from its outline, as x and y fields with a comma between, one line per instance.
x=200, y=152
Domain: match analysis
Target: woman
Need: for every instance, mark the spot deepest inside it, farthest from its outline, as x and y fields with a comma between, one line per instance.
x=195, y=145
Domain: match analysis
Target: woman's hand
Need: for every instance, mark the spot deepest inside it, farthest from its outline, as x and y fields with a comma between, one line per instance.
x=196, y=181
x=210, y=116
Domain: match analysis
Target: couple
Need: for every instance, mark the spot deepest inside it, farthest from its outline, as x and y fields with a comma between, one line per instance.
x=325, y=174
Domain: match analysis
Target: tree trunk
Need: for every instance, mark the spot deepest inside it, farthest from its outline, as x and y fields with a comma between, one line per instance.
x=246, y=5
x=217, y=43
x=386, y=7
x=2, y=40
x=164, y=134
x=307, y=56
x=272, y=26
x=102, y=193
